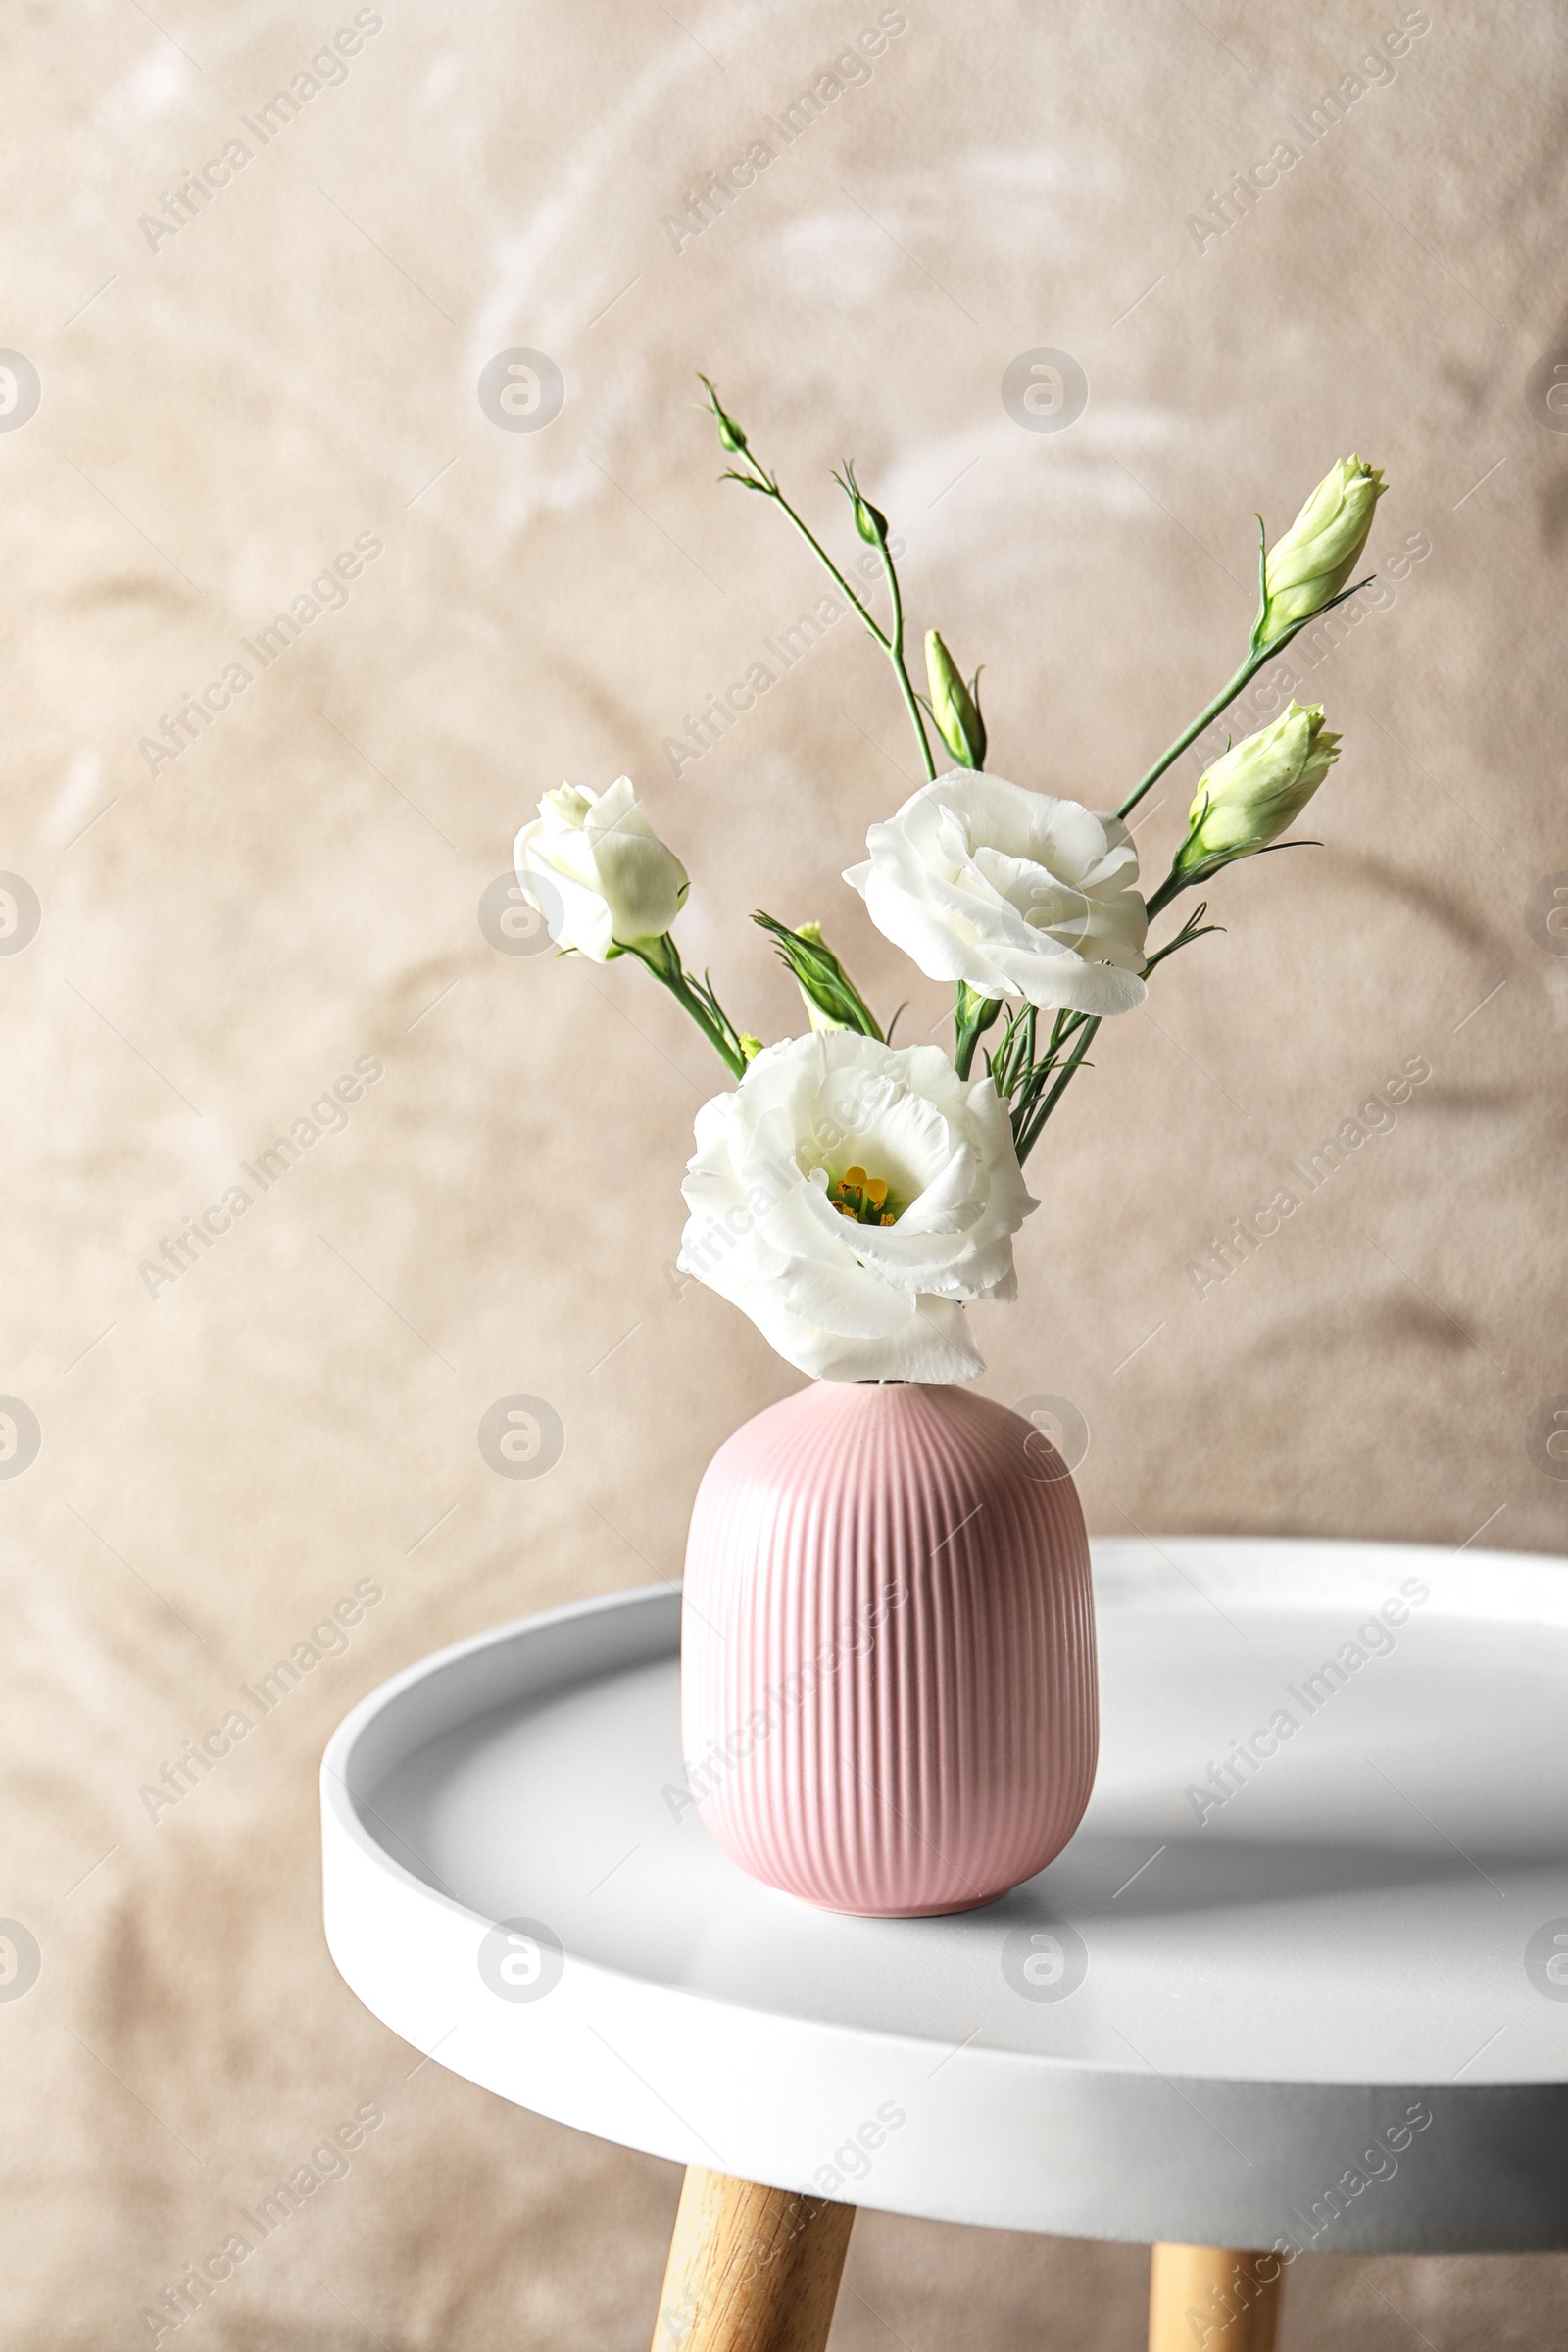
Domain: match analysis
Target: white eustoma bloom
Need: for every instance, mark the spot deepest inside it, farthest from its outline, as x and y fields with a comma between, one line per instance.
x=1015, y=893
x=596, y=871
x=848, y=1197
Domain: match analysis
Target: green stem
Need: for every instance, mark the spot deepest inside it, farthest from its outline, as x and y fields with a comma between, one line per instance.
x=892, y=645
x=662, y=958
x=729, y=1054
x=901, y=670
x=1000, y=1063
x=770, y=489
x=1255, y=660
x=1017, y=1051
x=1030, y=1112
x=1031, y=1135
x=1031, y=1077
x=1062, y=1028
x=1206, y=718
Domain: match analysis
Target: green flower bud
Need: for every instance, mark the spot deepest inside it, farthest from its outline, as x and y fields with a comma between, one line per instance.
x=731, y=436
x=817, y=1014
x=750, y=1046
x=1256, y=789
x=955, y=706
x=830, y=996
x=1306, y=569
x=871, y=521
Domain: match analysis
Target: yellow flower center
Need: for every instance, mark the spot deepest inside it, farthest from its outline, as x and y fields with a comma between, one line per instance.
x=861, y=1197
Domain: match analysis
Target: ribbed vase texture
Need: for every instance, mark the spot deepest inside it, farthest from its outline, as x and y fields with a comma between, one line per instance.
x=888, y=1692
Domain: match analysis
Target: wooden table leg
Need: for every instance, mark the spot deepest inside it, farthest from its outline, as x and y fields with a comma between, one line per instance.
x=750, y=2270
x=1208, y=2299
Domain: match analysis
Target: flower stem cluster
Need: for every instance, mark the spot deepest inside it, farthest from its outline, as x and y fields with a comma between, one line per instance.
x=851, y=1196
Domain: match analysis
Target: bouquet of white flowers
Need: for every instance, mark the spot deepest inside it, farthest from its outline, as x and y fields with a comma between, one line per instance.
x=851, y=1194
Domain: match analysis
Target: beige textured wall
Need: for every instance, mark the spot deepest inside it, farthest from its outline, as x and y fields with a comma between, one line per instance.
x=226, y=409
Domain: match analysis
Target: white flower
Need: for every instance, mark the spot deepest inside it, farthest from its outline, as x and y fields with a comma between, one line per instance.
x=596, y=871
x=848, y=1197
x=1015, y=893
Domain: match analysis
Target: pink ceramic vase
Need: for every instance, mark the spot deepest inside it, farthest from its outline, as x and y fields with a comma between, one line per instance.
x=887, y=1688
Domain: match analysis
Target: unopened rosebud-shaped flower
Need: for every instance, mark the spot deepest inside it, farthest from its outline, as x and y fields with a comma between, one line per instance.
x=598, y=872
x=731, y=436
x=1256, y=789
x=954, y=706
x=1306, y=569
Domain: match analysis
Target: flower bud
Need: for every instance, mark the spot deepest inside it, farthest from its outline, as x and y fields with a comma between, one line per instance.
x=1306, y=569
x=731, y=436
x=830, y=996
x=1256, y=789
x=869, y=522
x=594, y=866
x=955, y=706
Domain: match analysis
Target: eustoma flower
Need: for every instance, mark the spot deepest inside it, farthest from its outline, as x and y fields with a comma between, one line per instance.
x=1306, y=569
x=848, y=1197
x=598, y=872
x=1011, y=892
x=1254, y=791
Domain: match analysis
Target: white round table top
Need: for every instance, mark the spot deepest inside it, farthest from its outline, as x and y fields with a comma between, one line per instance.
x=1299, y=1978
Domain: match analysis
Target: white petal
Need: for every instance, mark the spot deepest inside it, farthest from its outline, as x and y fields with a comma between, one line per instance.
x=837, y=1298
x=643, y=882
